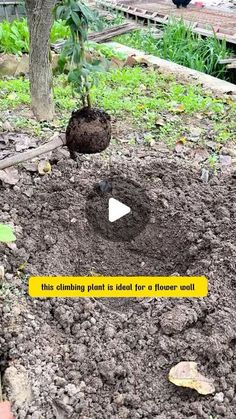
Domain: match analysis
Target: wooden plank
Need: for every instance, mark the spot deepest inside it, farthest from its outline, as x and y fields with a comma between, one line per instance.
x=139, y=13
x=16, y=11
x=104, y=35
x=11, y=3
x=5, y=11
x=227, y=60
x=231, y=66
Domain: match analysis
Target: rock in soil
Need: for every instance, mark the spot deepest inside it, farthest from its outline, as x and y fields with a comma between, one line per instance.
x=88, y=131
x=17, y=382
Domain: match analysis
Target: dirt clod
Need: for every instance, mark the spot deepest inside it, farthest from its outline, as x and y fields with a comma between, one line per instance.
x=88, y=131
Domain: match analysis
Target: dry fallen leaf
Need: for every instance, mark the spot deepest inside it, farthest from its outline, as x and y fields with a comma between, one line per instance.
x=44, y=167
x=9, y=175
x=134, y=60
x=180, y=145
x=185, y=374
x=200, y=154
x=159, y=122
x=178, y=108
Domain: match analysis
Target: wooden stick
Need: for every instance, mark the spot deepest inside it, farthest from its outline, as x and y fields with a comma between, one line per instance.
x=104, y=35
x=227, y=60
x=56, y=141
x=230, y=66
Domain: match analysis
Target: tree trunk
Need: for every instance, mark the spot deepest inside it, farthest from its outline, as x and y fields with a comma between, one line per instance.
x=40, y=20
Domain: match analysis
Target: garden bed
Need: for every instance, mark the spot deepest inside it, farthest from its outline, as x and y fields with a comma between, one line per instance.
x=89, y=359
x=111, y=358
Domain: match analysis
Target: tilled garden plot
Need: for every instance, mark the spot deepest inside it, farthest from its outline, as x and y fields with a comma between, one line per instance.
x=88, y=359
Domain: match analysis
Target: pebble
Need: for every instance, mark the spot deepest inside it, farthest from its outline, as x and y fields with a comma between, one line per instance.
x=71, y=389
x=219, y=397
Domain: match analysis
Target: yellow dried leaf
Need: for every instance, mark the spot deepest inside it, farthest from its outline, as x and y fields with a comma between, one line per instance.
x=179, y=108
x=182, y=140
x=44, y=167
x=185, y=374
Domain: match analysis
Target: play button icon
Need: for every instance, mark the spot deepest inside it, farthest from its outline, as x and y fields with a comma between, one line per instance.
x=117, y=210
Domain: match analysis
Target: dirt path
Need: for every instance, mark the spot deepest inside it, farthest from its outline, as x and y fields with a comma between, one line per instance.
x=110, y=359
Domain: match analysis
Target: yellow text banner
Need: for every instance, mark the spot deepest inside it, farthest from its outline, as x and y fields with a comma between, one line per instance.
x=118, y=286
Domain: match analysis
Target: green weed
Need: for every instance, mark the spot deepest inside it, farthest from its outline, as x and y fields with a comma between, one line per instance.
x=182, y=46
x=139, y=96
x=14, y=37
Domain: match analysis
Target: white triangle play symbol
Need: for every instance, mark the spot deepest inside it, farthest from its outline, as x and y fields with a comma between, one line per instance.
x=117, y=210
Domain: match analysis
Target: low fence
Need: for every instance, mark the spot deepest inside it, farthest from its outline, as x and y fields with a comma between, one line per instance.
x=10, y=10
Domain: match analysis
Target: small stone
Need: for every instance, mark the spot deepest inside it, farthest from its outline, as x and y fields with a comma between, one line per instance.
x=6, y=207
x=71, y=389
x=219, y=397
x=12, y=246
x=8, y=276
x=220, y=409
x=2, y=273
x=29, y=192
x=225, y=160
x=36, y=415
x=6, y=126
x=119, y=399
x=110, y=332
x=93, y=320
x=205, y=176
x=17, y=381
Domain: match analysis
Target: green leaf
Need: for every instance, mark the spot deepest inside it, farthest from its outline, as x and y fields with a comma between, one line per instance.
x=76, y=19
x=74, y=76
x=77, y=54
x=6, y=234
x=59, y=12
x=88, y=14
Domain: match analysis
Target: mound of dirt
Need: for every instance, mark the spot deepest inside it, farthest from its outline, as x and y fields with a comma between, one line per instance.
x=97, y=359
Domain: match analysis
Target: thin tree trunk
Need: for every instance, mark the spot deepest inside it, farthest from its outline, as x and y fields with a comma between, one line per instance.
x=40, y=19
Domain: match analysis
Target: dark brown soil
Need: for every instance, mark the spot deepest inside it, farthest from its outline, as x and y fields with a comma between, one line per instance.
x=88, y=131
x=110, y=359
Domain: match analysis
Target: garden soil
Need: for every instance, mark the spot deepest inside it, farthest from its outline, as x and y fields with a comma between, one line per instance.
x=110, y=358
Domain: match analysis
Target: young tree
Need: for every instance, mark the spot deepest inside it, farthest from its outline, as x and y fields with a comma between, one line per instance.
x=40, y=20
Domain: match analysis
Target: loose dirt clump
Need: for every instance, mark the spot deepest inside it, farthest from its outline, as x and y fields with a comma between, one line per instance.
x=109, y=359
x=88, y=131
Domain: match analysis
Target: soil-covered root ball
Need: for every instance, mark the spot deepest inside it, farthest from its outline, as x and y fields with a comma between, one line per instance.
x=88, y=131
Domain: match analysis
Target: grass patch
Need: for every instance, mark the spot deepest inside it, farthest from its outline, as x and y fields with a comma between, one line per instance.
x=138, y=96
x=182, y=46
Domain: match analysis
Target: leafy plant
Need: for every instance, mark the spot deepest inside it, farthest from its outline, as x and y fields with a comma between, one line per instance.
x=6, y=234
x=77, y=17
x=14, y=37
x=106, y=51
x=59, y=31
x=137, y=97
